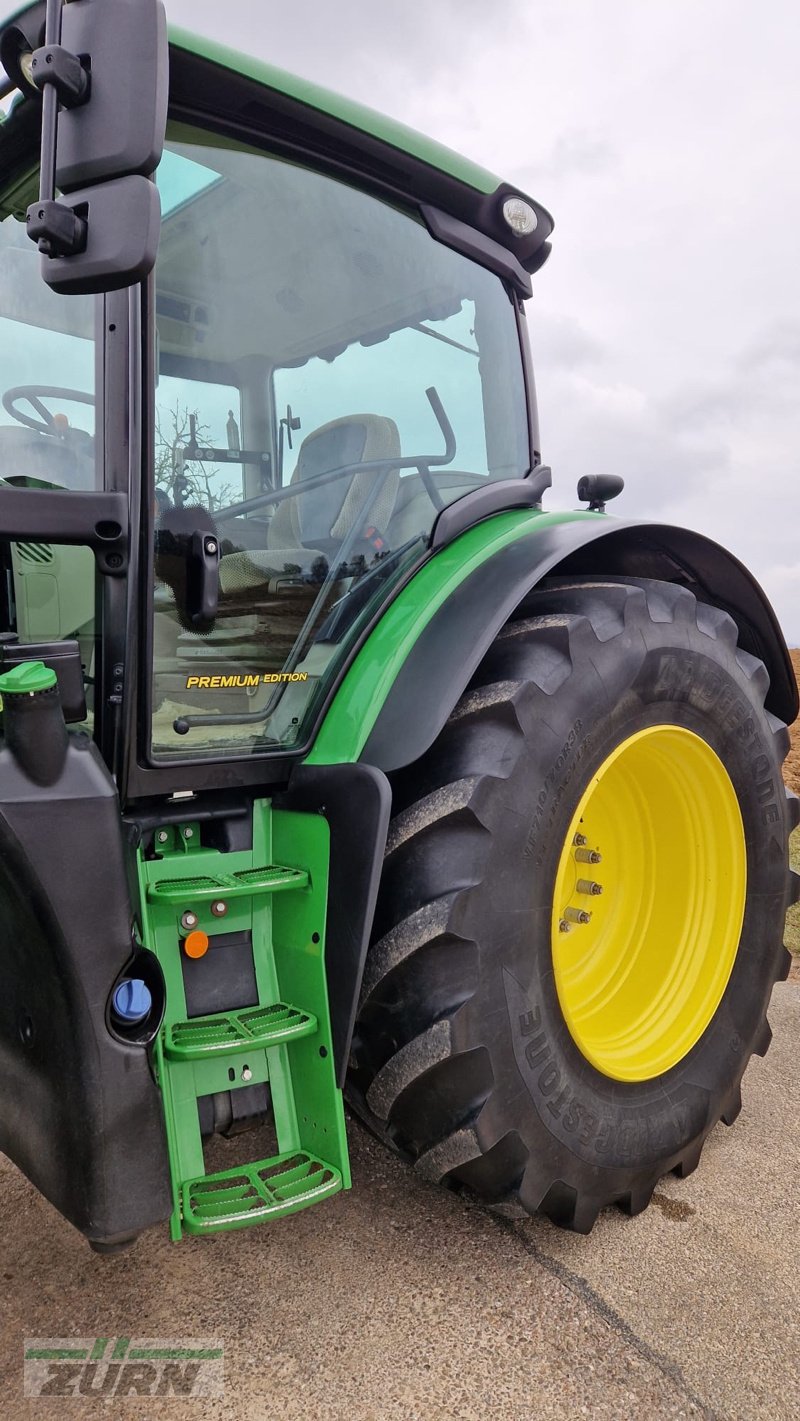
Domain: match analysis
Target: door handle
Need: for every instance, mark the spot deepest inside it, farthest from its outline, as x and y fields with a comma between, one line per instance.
x=202, y=580
x=187, y=560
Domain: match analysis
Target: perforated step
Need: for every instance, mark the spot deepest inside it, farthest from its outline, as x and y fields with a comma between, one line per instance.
x=248, y=882
x=266, y=1189
x=228, y=1032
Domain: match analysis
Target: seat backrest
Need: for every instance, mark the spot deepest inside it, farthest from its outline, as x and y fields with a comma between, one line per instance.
x=333, y=510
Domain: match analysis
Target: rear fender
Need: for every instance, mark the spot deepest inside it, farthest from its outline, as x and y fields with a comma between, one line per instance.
x=451, y=644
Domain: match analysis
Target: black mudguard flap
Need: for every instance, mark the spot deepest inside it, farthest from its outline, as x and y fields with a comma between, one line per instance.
x=80, y=1113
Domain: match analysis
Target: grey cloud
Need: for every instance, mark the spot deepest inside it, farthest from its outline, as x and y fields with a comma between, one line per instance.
x=761, y=379
x=577, y=153
x=696, y=406
x=590, y=430
x=351, y=44
x=564, y=342
x=780, y=344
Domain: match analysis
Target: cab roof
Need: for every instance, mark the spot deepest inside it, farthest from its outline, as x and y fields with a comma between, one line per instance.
x=326, y=101
x=211, y=84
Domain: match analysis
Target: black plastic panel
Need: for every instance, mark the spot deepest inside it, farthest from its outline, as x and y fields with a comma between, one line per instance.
x=356, y=800
x=99, y=520
x=63, y=657
x=81, y=1114
x=225, y=978
x=462, y=237
x=491, y=498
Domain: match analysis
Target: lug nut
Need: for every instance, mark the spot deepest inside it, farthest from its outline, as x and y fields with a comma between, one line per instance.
x=563, y=925
x=587, y=885
x=188, y=920
x=579, y=840
x=588, y=856
x=219, y=909
x=577, y=915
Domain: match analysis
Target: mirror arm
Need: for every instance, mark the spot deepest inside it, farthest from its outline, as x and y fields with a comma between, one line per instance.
x=58, y=230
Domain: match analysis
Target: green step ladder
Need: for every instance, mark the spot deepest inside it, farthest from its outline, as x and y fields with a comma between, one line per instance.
x=277, y=894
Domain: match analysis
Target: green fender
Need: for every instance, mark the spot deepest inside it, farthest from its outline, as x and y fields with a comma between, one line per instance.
x=417, y=660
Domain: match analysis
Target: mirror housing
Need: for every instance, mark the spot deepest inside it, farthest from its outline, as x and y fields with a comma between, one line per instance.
x=122, y=222
x=104, y=115
x=120, y=128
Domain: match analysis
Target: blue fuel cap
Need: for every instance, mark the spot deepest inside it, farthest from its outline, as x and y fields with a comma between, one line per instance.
x=132, y=1001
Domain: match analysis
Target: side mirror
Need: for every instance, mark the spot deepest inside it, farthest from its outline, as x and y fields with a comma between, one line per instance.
x=103, y=72
x=119, y=220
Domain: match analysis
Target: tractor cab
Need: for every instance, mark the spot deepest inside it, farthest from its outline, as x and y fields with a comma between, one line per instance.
x=316, y=368
x=329, y=378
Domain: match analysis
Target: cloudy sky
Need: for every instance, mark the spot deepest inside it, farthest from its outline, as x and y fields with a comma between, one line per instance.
x=662, y=134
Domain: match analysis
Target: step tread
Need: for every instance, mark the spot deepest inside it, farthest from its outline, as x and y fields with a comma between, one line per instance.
x=225, y=1033
x=268, y=1188
x=245, y=882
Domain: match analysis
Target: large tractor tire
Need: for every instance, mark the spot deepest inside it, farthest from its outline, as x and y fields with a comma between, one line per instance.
x=581, y=913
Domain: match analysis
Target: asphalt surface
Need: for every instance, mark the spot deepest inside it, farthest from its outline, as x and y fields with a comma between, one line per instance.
x=401, y=1301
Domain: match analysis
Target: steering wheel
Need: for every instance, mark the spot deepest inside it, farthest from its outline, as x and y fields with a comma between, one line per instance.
x=34, y=394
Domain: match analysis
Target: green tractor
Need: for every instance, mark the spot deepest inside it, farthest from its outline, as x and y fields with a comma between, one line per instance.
x=334, y=767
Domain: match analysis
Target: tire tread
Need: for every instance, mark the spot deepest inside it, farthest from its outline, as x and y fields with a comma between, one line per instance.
x=439, y=816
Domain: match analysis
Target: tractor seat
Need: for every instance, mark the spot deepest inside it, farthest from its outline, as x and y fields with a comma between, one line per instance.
x=314, y=525
x=49, y=460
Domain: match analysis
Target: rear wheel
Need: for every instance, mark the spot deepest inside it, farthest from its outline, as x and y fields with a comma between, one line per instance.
x=581, y=913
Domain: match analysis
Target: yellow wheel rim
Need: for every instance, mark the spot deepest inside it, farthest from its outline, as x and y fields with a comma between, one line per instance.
x=649, y=902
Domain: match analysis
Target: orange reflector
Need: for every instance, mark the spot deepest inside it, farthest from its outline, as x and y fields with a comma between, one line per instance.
x=195, y=944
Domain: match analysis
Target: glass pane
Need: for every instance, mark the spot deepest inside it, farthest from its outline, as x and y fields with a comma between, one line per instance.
x=47, y=594
x=318, y=355
x=46, y=373
x=393, y=377
x=199, y=411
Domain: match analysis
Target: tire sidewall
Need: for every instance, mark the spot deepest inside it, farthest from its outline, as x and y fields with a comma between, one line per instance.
x=545, y=1089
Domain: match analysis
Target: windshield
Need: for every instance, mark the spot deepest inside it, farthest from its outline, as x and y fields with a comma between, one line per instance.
x=329, y=378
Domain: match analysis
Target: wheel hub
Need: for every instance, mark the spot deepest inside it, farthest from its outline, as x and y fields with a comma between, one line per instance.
x=649, y=902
